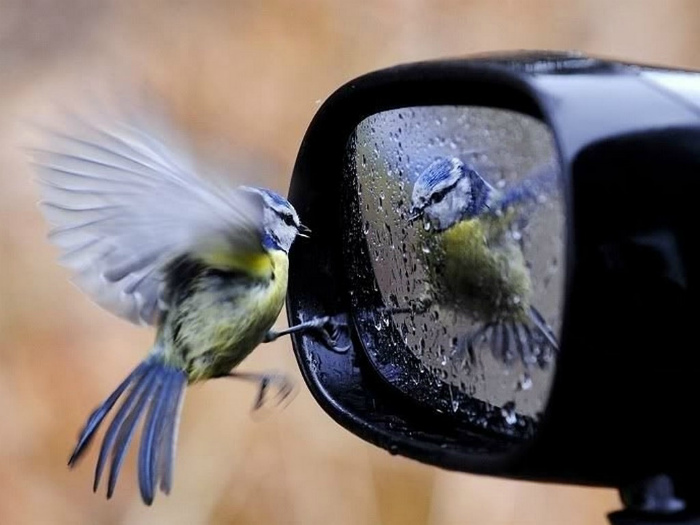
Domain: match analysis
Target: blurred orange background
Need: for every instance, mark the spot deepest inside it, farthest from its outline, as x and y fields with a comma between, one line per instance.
x=247, y=76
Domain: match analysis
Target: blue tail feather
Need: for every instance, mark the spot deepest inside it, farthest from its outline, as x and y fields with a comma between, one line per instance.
x=167, y=436
x=156, y=390
x=95, y=419
x=531, y=342
x=122, y=414
x=150, y=447
x=126, y=432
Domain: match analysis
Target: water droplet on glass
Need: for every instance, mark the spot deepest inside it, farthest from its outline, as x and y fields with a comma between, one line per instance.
x=524, y=382
x=393, y=300
x=453, y=402
x=508, y=413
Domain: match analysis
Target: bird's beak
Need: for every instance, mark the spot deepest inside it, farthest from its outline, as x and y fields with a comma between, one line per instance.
x=414, y=214
x=304, y=231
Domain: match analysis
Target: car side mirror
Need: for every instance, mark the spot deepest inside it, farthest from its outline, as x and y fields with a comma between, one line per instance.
x=509, y=240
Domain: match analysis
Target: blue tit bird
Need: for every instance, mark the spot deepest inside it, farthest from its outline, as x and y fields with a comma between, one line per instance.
x=204, y=262
x=474, y=263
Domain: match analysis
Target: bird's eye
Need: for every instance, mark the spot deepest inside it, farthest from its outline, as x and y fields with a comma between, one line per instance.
x=440, y=194
x=289, y=220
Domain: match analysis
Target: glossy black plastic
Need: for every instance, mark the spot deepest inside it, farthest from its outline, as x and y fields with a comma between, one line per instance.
x=623, y=400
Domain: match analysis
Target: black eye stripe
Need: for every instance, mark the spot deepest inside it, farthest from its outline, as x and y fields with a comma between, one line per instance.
x=436, y=196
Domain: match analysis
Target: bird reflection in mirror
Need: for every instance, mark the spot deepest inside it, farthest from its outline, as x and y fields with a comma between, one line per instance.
x=472, y=250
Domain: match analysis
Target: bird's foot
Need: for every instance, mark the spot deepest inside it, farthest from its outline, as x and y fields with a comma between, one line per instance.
x=332, y=330
x=274, y=389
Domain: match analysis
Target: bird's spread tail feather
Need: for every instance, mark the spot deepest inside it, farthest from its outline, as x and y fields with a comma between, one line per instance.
x=156, y=390
x=532, y=342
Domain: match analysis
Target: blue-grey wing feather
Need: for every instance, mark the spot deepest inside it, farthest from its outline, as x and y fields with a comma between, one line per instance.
x=124, y=199
x=543, y=181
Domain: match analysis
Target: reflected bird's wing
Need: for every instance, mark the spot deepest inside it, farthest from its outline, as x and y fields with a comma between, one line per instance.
x=539, y=183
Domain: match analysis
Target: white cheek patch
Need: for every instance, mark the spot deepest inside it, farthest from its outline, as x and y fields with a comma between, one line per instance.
x=450, y=209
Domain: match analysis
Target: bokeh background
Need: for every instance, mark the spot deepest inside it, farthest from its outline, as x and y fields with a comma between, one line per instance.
x=247, y=77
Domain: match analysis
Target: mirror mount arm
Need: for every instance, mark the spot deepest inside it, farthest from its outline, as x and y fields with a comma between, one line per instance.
x=653, y=501
x=635, y=517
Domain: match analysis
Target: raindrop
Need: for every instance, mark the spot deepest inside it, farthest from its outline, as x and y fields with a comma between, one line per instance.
x=393, y=300
x=453, y=402
x=508, y=413
x=524, y=382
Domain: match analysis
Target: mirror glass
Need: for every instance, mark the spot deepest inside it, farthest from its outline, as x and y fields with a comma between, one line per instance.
x=459, y=212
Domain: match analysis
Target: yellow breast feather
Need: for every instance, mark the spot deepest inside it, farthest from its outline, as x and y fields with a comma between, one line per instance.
x=256, y=264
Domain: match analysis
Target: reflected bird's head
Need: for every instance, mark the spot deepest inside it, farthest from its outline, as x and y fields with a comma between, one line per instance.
x=448, y=192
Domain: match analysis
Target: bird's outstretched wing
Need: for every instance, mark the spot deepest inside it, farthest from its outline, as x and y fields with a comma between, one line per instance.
x=124, y=200
x=539, y=183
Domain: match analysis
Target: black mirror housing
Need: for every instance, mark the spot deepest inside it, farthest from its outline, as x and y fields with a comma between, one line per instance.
x=628, y=141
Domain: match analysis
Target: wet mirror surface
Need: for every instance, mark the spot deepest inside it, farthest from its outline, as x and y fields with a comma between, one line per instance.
x=458, y=210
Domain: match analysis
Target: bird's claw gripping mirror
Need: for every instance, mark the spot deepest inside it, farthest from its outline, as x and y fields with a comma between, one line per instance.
x=331, y=330
x=510, y=240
